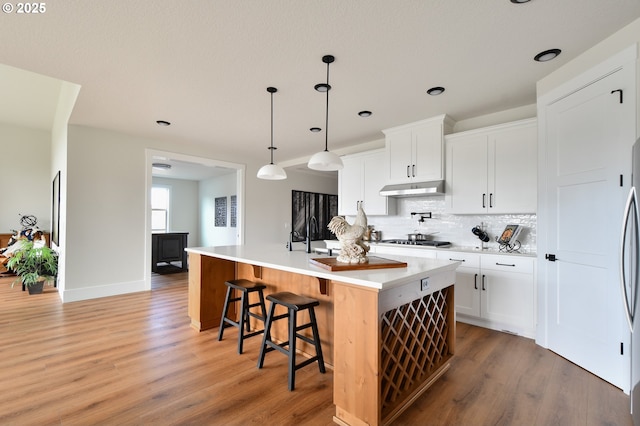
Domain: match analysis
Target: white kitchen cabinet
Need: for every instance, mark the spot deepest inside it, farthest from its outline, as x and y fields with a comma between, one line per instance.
x=415, y=151
x=495, y=291
x=467, y=294
x=492, y=170
x=360, y=181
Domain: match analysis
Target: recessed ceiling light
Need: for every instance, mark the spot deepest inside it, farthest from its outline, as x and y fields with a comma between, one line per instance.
x=435, y=91
x=520, y=1
x=364, y=113
x=163, y=123
x=547, y=55
x=162, y=166
x=315, y=129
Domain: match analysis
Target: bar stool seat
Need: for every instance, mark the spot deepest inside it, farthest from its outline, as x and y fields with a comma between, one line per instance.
x=294, y=304
x=245, y=288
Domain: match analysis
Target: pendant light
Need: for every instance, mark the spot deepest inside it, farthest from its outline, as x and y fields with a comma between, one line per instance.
x=325, y=160
x=272, y=171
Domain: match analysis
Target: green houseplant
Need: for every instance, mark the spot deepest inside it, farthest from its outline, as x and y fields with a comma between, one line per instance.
x=33, y=265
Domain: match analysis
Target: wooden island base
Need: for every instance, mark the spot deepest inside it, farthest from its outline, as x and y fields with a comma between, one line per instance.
x=386, y=346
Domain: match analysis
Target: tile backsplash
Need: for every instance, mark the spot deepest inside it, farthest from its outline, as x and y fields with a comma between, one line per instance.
x=449, y=227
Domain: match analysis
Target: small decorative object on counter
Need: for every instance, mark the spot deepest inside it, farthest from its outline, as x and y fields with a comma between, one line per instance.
x=482, y=235
x=508, y=240
x=352, y=247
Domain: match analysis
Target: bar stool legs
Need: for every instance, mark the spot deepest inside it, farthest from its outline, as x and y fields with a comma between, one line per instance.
x=294, y=303
x=245, y=288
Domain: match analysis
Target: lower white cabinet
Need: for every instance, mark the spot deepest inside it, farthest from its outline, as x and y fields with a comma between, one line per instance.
x=495, y=291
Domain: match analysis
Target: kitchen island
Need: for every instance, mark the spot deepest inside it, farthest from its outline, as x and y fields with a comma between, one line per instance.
x=388, y=334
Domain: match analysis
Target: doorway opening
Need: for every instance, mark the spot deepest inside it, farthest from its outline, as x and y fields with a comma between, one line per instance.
x=206, y=202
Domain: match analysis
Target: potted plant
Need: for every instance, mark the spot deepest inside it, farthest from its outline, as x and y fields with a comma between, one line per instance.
x=34, y=265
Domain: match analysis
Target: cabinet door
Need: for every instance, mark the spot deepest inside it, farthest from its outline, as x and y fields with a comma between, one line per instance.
x=467, y=174
x=428, y=153
x=507, y=298
x=513, y=170
x=374, y=171
x=350, y=186
x=467, y=286
x=400, y=150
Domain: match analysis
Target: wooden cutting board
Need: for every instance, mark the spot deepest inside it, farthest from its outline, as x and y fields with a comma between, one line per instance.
x=332, y=264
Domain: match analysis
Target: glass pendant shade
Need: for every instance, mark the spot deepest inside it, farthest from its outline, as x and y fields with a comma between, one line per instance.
x=272, y=172
x=326, y=161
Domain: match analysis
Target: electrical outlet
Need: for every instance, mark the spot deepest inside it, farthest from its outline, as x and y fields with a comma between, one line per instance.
x=424, y=284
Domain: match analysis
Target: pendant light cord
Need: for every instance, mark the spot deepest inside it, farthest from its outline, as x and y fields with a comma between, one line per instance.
x=271, y=148
x=326, y=122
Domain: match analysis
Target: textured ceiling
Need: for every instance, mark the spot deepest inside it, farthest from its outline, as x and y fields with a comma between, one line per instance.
x=205, y=65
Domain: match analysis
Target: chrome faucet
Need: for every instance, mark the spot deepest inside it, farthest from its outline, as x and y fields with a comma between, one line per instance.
x=312, y=221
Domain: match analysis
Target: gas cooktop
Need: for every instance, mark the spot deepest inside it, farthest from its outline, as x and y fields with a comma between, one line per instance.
x=428, y=243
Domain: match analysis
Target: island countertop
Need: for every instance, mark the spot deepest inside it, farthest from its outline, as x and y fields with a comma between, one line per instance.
x=297, y=261
x=387, y=333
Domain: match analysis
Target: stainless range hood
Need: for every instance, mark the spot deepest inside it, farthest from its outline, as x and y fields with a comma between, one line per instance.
x=420, y=189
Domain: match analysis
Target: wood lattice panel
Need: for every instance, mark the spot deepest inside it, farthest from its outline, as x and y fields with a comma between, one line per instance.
x=414, y=345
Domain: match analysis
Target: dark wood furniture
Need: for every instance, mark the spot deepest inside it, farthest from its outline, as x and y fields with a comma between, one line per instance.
x=294, y=304
x=245, y=288
x=167, y=248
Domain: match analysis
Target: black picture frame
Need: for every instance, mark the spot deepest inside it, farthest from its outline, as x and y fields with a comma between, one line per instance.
x=55, y=210
x=306, y=205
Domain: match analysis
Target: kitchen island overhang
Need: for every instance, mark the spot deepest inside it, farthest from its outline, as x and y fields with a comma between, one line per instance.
x=388, y=333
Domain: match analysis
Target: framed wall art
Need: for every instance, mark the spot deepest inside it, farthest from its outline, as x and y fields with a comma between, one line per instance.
x=220, y=211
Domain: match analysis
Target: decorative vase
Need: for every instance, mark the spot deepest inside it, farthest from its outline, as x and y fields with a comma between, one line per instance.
x=36, y=288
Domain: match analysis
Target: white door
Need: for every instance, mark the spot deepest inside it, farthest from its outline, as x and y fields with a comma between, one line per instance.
x=589, y=135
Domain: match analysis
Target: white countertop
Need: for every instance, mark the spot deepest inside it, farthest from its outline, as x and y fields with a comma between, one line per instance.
x=297, y=261
x=468, y=249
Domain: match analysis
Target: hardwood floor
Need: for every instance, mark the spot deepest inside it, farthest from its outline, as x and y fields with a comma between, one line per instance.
x=133, y=359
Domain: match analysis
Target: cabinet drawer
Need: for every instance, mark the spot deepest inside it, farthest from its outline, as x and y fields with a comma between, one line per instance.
x=469, y=260
x=523, y=265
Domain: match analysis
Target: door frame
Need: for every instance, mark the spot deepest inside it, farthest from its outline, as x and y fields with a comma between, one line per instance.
x=150, y=154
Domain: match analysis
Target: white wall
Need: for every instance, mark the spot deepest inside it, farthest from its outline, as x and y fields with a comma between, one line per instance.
x=592, y=57
x=271, y=214
x=210, y=189
x=106, y=208
x=183, y=208
x=25, y=176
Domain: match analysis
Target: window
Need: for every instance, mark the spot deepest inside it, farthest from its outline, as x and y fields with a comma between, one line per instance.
x=159, y=209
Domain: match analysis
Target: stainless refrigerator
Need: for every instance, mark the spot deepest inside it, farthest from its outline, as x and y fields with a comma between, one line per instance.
x=630, y=274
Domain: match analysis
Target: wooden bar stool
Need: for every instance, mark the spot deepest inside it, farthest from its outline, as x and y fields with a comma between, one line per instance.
x=294, y=304
x=245, y=288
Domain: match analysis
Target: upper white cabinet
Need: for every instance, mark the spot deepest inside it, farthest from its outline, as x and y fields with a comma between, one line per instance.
x=360, y=181
x=415, y=151
x=493, y=170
